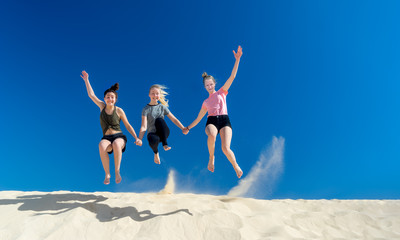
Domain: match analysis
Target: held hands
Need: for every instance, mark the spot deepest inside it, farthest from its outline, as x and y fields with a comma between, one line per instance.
x=239, y=53
x=85, y=75
x=185, y=130
x=138, y=142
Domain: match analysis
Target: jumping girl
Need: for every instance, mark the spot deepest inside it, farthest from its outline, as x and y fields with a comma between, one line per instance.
x=218, y=120
x=153, y=120
x=113, y=139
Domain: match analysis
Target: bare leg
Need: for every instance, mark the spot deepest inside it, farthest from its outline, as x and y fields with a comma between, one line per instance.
x=211, y=132
x=226, y=137
x=157, y=158
x=118, y=145
x=104, y=147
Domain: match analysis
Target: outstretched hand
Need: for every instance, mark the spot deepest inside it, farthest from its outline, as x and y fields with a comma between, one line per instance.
x=185, y=130
x=239, y=53
x=85, y=75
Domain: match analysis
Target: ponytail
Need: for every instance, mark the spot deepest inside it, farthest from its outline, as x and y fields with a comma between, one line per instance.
x=206, y=77
x=112, y=89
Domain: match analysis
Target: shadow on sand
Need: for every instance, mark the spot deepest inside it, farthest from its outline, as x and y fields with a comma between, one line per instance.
x=54, y=204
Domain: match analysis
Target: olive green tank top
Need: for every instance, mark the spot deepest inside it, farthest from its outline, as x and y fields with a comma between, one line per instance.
x=109, y=121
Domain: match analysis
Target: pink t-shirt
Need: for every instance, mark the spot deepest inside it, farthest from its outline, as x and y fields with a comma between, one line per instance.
x=216, y=103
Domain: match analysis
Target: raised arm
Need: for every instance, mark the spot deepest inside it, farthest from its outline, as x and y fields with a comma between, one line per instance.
x=128, y=126
x=175, y=120
x=200, y=116
x=98, y=102
x=237, y=55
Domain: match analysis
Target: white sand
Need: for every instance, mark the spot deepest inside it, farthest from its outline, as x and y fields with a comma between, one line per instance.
x=103, y=215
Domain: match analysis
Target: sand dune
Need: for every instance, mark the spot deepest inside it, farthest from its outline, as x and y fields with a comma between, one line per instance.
x=104, y=215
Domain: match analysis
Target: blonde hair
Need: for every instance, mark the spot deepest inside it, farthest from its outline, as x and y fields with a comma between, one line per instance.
x=163, y=93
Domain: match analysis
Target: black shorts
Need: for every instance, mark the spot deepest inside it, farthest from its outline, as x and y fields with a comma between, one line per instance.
x=112, y=138
x=219, y=121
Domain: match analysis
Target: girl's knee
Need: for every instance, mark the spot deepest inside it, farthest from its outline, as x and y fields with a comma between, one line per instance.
x=226, y=149
x=211, y=134
x=104, y=149
x=118, y=145
x=103, y=146
x=211, y=130
x=159, y=121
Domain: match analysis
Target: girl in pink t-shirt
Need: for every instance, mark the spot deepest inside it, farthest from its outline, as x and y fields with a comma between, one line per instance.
x=218, y=120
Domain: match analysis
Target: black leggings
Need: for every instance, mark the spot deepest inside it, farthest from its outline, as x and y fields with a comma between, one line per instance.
x=161, y=135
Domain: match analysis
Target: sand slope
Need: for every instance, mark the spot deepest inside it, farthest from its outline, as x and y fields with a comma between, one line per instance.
x=103, y=215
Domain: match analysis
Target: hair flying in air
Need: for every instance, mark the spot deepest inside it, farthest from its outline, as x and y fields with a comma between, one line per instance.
x=163, y=93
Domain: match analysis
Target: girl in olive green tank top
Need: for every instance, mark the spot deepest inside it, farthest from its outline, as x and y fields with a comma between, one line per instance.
x=113, y=139
x=109, y=121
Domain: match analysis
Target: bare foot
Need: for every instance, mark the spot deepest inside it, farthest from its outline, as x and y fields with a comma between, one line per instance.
x=166, y=147
x=107, y=179
x=238, y=171
x=118, y=178
x=157, y=158
x=211, y=164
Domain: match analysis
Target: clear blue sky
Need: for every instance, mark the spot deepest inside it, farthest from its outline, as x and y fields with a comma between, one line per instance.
x=324, y=75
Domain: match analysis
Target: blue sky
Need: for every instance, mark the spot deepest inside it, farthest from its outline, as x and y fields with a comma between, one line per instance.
x=323, y=75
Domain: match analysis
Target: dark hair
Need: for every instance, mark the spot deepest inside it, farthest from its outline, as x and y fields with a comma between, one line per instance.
x=112, y=89
x=206, y=77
